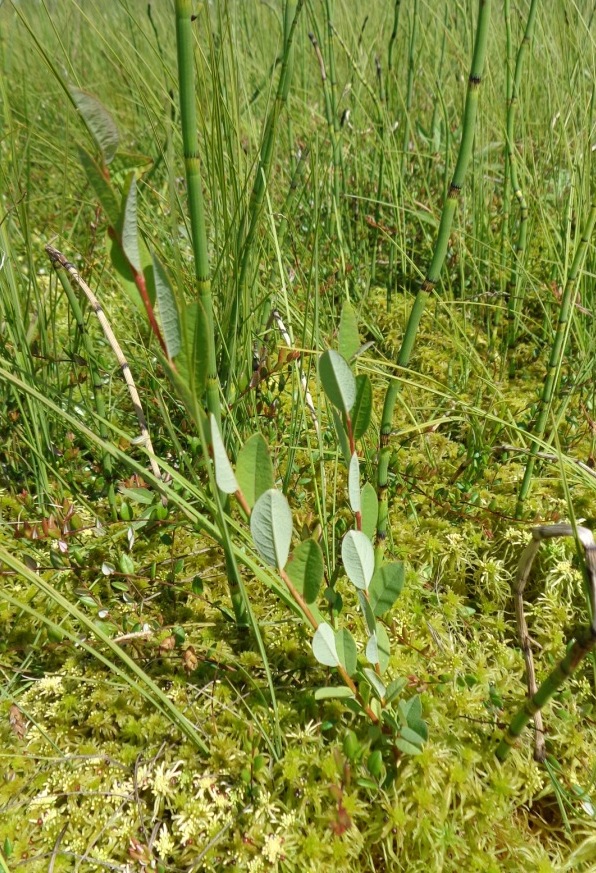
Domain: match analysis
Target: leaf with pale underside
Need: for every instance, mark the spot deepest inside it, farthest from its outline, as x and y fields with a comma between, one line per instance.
x=354, y=484
x=224, y=475
x=359, y=558
x=338, y=380
x=323, y=646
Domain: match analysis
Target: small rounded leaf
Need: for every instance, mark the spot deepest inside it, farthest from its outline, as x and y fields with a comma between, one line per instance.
x=370, y=510
x=354, y=484
x=271, y=528
x=254, y=469
x=338, y=380
x=333, y=693
x=386, y=586
x=358, y=557
x=346, y=650
x=323, y=646
x=224, y=475
x=378, y=647
x=306, y=569
x=362, y=409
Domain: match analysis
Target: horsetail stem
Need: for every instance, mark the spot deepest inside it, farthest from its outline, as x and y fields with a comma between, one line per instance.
x=585, y=640
x=432, y=277
x=192, y=163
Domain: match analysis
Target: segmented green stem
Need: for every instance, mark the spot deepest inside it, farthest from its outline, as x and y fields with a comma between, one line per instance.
x=192, y=163
x=585, y=640
x=556, y=356
x=432, y=277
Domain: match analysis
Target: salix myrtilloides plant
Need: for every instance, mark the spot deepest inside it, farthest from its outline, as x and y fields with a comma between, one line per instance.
x=398, y=722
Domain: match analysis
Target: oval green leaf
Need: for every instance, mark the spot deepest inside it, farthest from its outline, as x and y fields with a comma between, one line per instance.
x=411, y=736
x=254, y=469
x=370, y=510
x=386, y=586
x=375, y=683
x=168, y=310
x=406, y=747
x=367, y=612
x=337, y=380
x=359, y=558
x=378, y=647
x=323, y=646
x=362, y=409
x=354, y=484
x=348, y=341
x=224, y=475
x=130, y=230
x=342, y=436
x=98, y=122
x=340, y=692
x=346, y=650
x=306, y=569
x=271, y=528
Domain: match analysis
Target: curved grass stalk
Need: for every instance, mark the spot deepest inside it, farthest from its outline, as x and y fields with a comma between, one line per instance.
x=434, y=271
x=514, y=297
x=556, y=355
x=97, y=384
x=583, y=642
x=192, y=163
x=58, y=260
